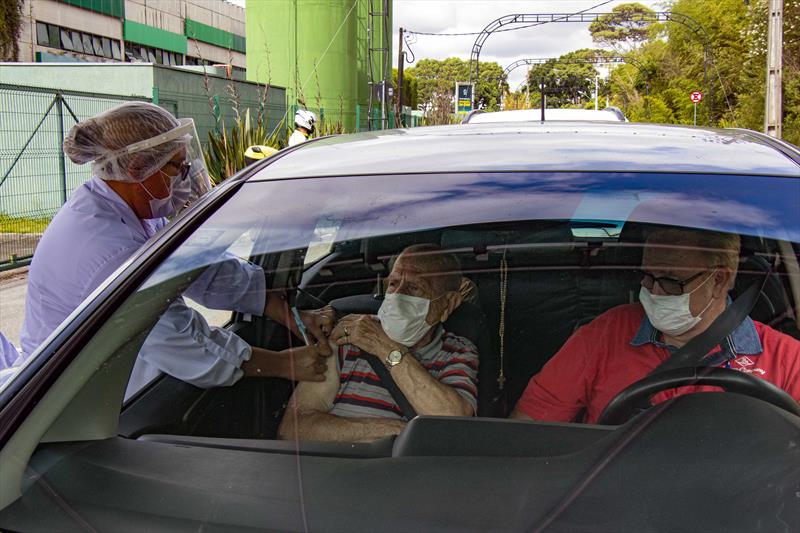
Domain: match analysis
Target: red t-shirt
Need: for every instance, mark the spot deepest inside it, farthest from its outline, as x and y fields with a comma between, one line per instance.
x=600, y=360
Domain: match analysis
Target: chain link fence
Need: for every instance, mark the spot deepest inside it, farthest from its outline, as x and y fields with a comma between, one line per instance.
x=35, y=176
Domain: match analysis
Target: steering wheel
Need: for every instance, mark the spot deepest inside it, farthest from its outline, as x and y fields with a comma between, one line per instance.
x=628, y=402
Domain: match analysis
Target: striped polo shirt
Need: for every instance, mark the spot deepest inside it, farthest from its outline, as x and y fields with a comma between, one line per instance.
x=451, y=359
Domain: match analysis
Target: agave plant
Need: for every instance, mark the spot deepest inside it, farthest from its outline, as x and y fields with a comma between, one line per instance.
x=226, y=147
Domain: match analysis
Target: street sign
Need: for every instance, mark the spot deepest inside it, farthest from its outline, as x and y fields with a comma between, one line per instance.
x=696, y=96
x=464, y=96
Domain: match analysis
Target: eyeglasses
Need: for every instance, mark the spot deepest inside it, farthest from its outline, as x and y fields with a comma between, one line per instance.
x=183, y=171
x=671, y=286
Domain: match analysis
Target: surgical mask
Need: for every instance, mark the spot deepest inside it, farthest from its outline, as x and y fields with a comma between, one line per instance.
x=670, y=314
x=403, y=317
x=178, y=196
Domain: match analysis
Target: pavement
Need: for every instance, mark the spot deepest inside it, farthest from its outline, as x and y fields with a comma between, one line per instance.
x=13, y=287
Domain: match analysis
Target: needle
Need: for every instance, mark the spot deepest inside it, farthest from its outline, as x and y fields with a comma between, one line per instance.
x=300, y=326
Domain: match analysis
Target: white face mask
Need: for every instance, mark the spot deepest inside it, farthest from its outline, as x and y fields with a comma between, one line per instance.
x=669, y=313
x=403, y=317
x=179, y=193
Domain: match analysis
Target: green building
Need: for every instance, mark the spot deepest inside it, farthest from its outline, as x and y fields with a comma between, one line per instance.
x=334, y=55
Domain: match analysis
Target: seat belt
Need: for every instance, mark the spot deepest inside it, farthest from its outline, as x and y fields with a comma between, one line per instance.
x=389, y=384
x=696, y=351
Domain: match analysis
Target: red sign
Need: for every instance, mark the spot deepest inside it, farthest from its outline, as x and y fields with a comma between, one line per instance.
x=696, y=96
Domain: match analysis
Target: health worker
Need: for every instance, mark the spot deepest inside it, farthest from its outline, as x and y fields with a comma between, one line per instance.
x=146, y=166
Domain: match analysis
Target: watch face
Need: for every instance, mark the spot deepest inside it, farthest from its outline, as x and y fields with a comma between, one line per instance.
x=394, y=357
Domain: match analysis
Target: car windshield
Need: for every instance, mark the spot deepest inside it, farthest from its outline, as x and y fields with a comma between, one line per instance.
x=535, y=296
x=543, y=253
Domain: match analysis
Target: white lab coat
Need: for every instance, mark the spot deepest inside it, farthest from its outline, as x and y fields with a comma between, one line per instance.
x=8, y=352
x=89, y=238
x=183, y=345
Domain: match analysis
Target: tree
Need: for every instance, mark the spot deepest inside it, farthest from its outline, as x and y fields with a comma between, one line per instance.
x=752, y=90
x=627, y=26
x=518, y=100
x=568, y=80
x=410, y=89
x=436, y=83
x=492, y=83
x=10, y=25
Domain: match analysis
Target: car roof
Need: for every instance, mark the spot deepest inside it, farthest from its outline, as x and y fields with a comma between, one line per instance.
x=522, y=115
x=549, y=146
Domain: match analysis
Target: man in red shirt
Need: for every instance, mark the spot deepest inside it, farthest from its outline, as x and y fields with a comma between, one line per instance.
x=685, y=283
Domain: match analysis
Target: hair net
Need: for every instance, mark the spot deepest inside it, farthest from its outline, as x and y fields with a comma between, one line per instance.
x=129, y=142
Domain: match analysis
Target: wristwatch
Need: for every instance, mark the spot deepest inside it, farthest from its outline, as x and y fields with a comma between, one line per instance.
x=394, y=358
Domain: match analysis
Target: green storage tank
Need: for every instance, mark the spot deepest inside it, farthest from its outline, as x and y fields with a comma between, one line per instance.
x=288, y=39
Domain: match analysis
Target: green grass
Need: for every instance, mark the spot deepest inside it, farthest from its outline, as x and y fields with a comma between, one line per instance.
x=9, y=224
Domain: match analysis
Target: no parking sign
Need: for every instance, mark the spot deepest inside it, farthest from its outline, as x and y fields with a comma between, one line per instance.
x=696, y=96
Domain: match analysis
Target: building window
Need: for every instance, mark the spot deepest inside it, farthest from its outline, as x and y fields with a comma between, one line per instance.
x=55, y=40
x=66, y=41
x=136, y=52
x=116, y=52
x=197, y=61
x=75, y=41
x=42, y=36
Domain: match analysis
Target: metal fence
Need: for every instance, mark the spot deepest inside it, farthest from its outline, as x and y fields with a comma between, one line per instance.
x=35, y=176
x=363, y=122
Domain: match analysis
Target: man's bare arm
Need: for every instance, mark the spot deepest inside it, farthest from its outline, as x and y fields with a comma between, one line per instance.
x=307, y=416
x=428, y=395
x=317, y=426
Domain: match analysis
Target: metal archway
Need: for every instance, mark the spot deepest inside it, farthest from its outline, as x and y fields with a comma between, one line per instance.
x=591, y=61
x=614, y=60
x=546, y=18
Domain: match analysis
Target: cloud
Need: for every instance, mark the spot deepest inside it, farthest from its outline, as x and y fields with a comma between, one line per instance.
x=461, y=16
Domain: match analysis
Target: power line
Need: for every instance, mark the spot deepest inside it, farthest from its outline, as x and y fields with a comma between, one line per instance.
x=601, y=4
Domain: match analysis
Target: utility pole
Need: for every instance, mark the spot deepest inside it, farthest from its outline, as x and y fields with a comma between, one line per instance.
x=401, y=58
x=544, y=103
x=773, y=113
x=596, y=107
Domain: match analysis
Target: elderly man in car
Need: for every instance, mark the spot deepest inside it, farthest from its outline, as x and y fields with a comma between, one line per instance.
x=686, y=276
x=434, y=369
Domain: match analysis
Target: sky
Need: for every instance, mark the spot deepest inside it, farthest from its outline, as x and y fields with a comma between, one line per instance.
x=461, y=16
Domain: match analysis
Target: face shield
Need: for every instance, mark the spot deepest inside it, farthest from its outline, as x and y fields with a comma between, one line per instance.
x=140, y=160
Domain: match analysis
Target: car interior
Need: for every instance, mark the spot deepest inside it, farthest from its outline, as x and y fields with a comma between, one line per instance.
x=175, y=438
x=558, y=276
